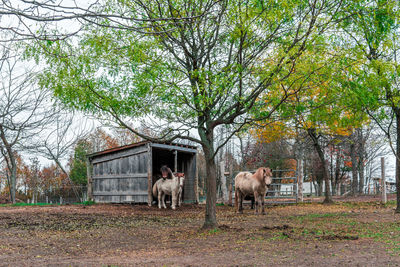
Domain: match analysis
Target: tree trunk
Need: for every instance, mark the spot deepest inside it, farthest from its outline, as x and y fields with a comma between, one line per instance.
x=13, y=178
x=337, y=172
x=397, y=114
x=211, y=197
x=11, y=164
x=361, y=174
x=361, y=168
x=211, y=179
x=354, y=183
x=224, y=189
x=333, y=187
x=319, y=189
x=318, y=148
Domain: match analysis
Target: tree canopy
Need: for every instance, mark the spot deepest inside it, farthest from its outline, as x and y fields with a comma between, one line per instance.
x=197, y=65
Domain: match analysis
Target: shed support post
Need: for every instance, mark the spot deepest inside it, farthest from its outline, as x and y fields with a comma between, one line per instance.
x=149, y=175
x=89, y=180
x=175, y=161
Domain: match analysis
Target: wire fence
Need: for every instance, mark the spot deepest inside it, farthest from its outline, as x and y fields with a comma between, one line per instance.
x=64, y=195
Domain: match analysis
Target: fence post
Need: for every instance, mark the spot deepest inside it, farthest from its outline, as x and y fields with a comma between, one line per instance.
x=383, y=181
x=300, y=180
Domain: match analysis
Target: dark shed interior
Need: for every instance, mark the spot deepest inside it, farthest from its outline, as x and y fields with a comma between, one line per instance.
x=185, y=163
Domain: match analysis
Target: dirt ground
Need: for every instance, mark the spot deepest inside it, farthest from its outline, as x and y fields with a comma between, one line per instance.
x=363, y=233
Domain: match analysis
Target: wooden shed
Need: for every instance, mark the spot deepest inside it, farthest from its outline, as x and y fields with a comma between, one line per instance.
x=127, y=173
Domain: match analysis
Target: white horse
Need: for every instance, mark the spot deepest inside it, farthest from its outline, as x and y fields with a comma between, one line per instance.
x=172, y=187
x=247, y=184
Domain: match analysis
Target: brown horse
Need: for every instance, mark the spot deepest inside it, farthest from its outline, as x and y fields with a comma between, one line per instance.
x=247, y=184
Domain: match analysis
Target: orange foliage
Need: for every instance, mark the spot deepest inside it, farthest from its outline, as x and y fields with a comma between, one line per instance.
x=348, y=164
x=272, y=131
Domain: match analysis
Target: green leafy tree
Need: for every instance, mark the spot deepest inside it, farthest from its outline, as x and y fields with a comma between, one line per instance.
x=194, y=65
x=371, y=44
x=78, y=173
x=319, y=104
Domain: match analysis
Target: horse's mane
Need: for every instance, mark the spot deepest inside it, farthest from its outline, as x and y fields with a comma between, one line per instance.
x=259, y=173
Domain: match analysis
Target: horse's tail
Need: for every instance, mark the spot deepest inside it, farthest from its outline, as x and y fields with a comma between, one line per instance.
x=155, y=189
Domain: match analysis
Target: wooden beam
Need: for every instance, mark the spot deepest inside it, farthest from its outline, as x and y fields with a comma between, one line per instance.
x=175, y=161
x=89, y=180
x=170, y=147
x=116, y=155
x=149, y=175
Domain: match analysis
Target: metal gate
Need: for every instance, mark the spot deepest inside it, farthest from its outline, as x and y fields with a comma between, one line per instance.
x=283, y=189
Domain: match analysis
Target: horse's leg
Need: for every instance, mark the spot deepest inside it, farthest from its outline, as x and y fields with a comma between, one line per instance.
x=256, y=202
x=179, y=197
x=236, y=200
x=159, y=198
x=262, y=204
x=163, y=200
x=252, y=203
x=174, y=200
x=241, y=196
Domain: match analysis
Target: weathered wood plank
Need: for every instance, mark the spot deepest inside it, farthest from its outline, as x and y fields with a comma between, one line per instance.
x=122, y=176
x=119, y=155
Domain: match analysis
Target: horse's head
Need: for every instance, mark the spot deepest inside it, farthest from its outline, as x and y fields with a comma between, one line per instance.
x=164, y=171
x=181, y=177
x=267, y=175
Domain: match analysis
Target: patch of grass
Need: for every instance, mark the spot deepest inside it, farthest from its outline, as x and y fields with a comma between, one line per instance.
x=85, y=203
x=22, y=204
x=214, y=231
x=390, y=203
x=313, y=216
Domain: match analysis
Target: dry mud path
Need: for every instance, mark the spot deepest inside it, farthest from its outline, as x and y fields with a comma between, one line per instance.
x=361, y=233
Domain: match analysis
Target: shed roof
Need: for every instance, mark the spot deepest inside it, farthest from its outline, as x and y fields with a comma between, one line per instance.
x=176, y=146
